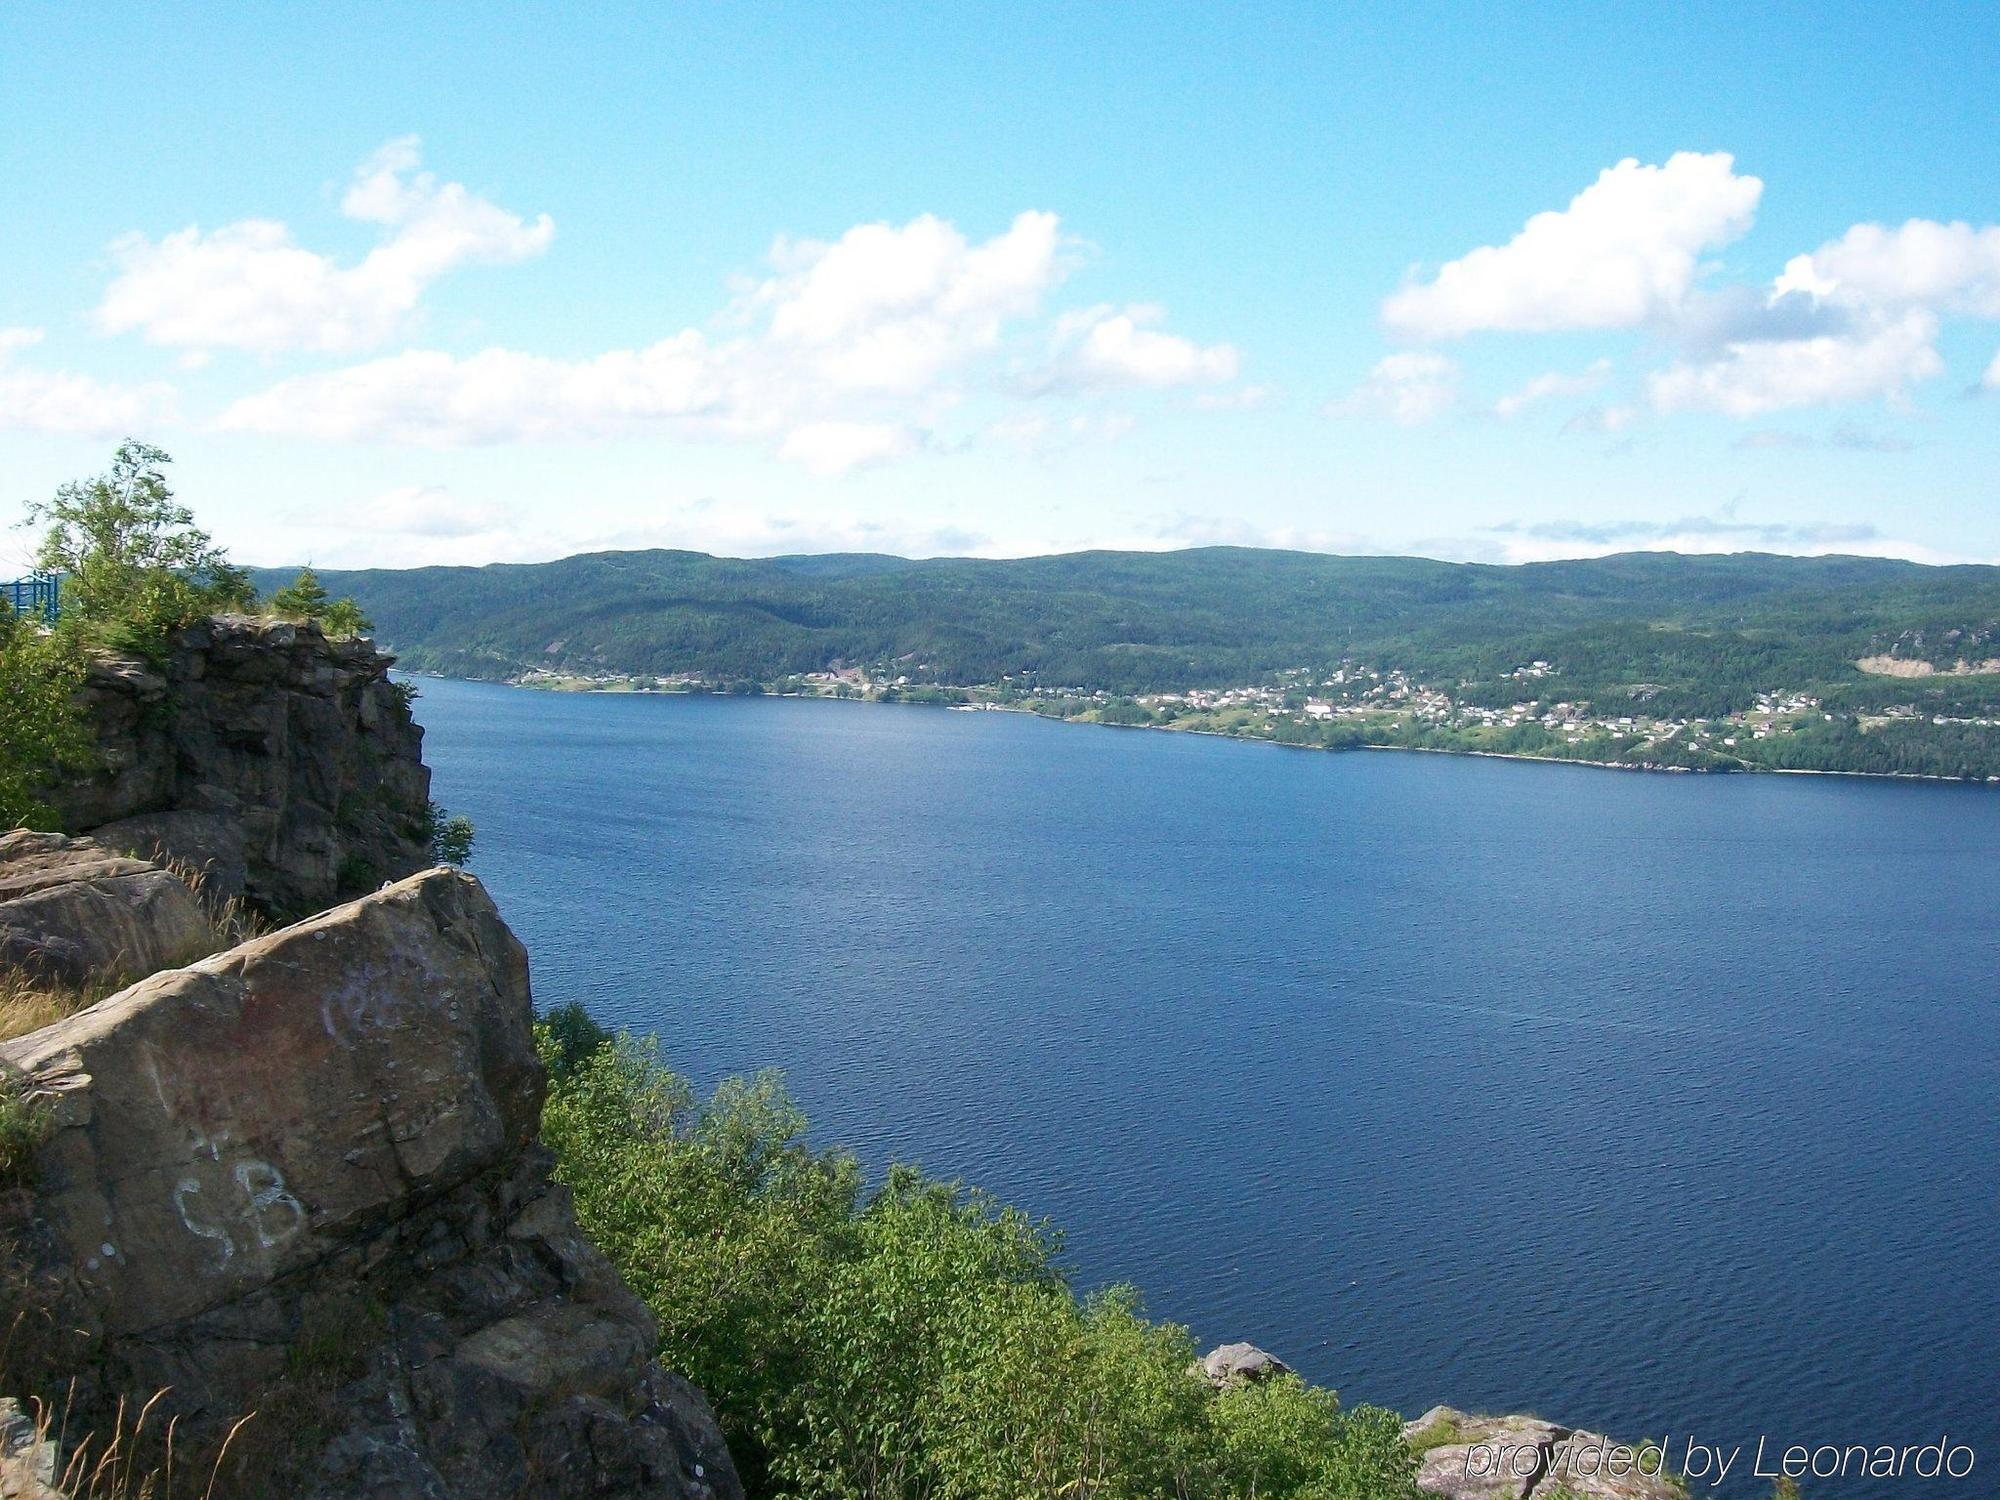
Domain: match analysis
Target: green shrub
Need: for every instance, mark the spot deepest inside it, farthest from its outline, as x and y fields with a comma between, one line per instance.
x=23, y=1127
x=41, y=732
x=919, y=1340
x=569, y=1038
x=451, y=836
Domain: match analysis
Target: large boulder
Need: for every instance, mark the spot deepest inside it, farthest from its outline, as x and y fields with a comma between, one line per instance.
x=326, y=1138
x=74, y=913
x=1240, y=1364
x=1465, y=1457
x=300, y=743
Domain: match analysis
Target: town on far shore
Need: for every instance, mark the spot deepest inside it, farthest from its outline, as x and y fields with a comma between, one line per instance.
x=1355, y=706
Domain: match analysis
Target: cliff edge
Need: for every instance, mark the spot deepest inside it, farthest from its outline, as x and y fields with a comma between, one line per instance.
x=282, y=764
x=301, y=1177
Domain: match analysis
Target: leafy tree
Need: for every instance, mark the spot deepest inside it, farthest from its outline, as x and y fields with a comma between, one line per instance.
x=451, y=837
x=136, y=565
x=916, y=1341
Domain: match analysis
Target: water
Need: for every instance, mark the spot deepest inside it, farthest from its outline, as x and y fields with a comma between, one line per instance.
x=1663, y=1104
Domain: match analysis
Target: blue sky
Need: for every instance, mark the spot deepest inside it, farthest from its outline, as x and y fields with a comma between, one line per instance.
x=410, y=284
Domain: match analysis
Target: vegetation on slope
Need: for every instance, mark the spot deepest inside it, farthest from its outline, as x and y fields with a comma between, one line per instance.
x=916, y=1339
x=1695, y=635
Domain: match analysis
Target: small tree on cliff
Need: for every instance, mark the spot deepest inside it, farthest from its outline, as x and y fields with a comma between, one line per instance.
x=137, y=565
x=306, y=597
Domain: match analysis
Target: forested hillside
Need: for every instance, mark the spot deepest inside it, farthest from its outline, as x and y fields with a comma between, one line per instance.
x=1688, y=635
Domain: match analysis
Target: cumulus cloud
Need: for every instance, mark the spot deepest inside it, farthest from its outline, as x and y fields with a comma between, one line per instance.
x=1623, y=253
x=1952, y=267
x=1107, y=347
x=1751, y=378
x=838, y=359
x=1856, y=319
x=38, y=400
x=498, y=395
x=889, y=308
x=250, y=285
x=1409, y=389
x=830, y=448
x=1552, y=385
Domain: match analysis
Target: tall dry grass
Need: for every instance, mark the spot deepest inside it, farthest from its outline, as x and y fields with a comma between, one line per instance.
x=129, y=1462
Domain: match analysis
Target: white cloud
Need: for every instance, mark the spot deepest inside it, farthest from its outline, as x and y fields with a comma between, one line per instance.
x=250, y=285
x=1554, y=384
x=1991, y=380
x=37, y=400
x=1624, y=253
x=1409, y=389
x=1105, y=347
x=1753, y=377
x=840, y=359
x=834, y=448
x=1951, y=267
x=498, y=395
x=889, y=309
x=426, y=510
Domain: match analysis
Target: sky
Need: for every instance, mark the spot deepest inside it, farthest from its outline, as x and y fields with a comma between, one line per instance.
x=399, y=285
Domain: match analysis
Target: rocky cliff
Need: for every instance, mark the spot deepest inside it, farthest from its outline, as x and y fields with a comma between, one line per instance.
x=301, y=1178
x=282, y=764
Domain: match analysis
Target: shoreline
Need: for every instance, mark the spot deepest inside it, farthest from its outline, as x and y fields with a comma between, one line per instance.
x=1252, y=739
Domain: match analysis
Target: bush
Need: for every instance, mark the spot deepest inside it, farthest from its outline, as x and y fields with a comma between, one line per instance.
x=919, y=1340
x=570, y=1038
x=41, y=732
x=451, y=837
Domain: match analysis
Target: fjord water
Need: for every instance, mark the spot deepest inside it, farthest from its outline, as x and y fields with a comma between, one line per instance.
x=1662, y=1104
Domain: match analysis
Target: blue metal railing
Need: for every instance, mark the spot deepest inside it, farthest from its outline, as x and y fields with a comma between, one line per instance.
x=37, y=594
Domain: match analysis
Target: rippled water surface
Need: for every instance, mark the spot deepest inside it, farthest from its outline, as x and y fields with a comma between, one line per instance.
x=1663, y=1104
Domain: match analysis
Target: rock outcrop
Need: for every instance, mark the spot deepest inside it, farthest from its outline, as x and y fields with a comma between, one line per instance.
x=283, y=764
x=74, y=913
x=1239, y=1364
x=1467, y=1457
x=311, y=1160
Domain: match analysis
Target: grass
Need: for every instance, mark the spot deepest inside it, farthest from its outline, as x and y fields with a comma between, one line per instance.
x=28, y=1003
x=1444, y=1430
x=129, y=1461
x=22, y=1130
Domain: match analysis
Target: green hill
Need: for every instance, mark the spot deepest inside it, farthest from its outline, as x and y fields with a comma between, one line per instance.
x=1688, y=635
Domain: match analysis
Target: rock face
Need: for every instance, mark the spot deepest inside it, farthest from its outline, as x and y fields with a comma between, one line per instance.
x=283, y=763
x=73, y=912
x=1507, y=1458
x=326, y=1139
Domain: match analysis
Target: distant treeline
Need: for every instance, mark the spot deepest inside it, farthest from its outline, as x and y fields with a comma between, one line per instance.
x=1683, y=636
